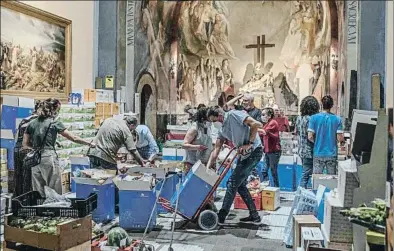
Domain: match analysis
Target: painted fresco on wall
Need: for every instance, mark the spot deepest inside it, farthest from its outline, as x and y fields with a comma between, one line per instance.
x=281, y=51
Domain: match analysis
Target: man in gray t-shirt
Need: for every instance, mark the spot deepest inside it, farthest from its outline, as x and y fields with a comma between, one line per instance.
x=241, y=129
x=111, y=136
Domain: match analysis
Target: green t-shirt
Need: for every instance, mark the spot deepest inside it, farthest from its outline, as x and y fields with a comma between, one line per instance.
x=112, y=135
x=37, y=130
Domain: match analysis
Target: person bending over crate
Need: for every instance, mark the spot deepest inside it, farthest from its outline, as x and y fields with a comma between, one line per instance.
x=241, y=129
x=111, y=136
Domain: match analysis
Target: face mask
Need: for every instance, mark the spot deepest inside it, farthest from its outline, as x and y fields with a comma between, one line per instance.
x=217, y=125
x=264, y=119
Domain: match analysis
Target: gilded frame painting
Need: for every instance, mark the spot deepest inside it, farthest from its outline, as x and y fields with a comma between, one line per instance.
x=35, y=52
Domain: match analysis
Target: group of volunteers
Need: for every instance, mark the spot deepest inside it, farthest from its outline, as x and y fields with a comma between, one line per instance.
x=256, y=132
x=40, y=130
x=238, y=123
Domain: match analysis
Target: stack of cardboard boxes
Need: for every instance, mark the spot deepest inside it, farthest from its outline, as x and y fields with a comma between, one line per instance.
x=105, y=104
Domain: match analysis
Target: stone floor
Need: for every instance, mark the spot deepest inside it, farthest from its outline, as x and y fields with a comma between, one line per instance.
x=231, y=237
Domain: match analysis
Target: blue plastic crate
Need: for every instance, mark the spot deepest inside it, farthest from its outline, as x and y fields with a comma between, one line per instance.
x=78, y=164
x=194, y=189
x=167, y=192
x=286, y=173
x=105, y=197
x=136, y=202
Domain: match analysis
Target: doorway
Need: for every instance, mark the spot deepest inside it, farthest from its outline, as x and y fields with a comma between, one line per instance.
x=148, y=102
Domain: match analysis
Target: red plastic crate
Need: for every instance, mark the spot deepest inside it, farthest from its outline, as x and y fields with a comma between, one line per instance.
x=240, y=204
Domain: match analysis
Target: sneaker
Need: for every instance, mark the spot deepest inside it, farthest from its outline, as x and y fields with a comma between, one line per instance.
x=251, y=219
x=221, y=221
x=221, y=218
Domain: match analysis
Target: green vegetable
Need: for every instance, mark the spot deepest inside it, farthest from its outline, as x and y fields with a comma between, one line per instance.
x=118, y=236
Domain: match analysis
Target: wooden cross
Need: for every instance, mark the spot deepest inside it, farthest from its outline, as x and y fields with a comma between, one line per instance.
x=260, y=49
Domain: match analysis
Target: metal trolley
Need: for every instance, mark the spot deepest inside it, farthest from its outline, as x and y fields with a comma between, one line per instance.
x=205, y=218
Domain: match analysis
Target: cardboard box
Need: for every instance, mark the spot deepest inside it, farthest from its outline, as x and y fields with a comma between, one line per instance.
x=105, y=195
x=90, y=95
x=136, y=198
x=329, y=181
x=107, y=109
x=115, y=109
x=271, y=198
x=68, y=234
x=100, y=108
x=311, y=237
x=97, y=122
x=300, y=221
x=197, y=185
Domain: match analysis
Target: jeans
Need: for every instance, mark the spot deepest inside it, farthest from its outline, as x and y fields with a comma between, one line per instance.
x=307, y=170
x=272, y=161
x=237, y=183
x=325, y=163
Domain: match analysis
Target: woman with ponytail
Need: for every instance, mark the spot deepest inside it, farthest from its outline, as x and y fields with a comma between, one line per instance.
x=41, y=133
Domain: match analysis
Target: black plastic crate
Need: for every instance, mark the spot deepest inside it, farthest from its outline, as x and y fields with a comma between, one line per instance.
x=25, y=206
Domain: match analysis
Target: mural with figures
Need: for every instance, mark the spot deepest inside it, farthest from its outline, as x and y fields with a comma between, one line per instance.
x=281, y=51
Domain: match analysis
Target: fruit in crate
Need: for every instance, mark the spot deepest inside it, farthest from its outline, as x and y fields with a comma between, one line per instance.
x=38, y=224
x=118, y=237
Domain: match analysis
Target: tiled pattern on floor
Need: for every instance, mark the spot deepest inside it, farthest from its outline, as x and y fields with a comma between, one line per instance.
x=275, y=220
x=270, y=232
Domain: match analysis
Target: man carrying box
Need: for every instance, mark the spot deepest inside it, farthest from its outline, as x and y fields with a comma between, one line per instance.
x=241, y=129
x=111, y=136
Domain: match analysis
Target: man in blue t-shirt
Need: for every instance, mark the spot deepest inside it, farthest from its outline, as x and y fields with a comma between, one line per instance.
x=325, y=130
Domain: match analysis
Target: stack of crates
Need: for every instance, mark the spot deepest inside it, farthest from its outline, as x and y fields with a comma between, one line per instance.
x=305, y=203
x=3, y=171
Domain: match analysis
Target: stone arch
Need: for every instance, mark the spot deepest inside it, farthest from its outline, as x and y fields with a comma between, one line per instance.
x=146, y=87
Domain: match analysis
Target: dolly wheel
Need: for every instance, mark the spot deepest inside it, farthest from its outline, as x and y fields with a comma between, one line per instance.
x=208, y=220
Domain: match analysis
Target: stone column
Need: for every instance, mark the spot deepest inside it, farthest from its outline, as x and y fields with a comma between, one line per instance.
x=371, y=49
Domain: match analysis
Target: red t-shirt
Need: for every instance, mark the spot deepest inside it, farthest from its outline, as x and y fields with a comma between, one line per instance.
x=283, y=123
x=271, y=138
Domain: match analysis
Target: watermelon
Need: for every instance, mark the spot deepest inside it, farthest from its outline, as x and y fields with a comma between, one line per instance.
x=118, y=237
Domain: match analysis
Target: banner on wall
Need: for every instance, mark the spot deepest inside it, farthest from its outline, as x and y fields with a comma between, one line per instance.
x=130, y=43
x=352, y=8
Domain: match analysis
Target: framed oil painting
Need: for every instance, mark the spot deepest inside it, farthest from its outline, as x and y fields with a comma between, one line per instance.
x=35, y=52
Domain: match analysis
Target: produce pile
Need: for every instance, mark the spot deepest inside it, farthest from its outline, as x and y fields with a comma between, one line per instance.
x=374, y=215
x=38, y=224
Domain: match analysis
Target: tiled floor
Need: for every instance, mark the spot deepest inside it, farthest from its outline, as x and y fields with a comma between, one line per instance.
x=232, y=237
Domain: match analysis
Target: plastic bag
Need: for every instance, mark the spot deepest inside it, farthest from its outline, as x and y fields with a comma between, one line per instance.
x=53, y=199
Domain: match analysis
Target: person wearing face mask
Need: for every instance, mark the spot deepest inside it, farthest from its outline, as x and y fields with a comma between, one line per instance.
x=41, y=133
x=198, y=143
x=272, y=148
x=241, y=129
x=198, y=140
x=248, y=104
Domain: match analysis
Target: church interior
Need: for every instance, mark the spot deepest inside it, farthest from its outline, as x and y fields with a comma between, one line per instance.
x=197, y=125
